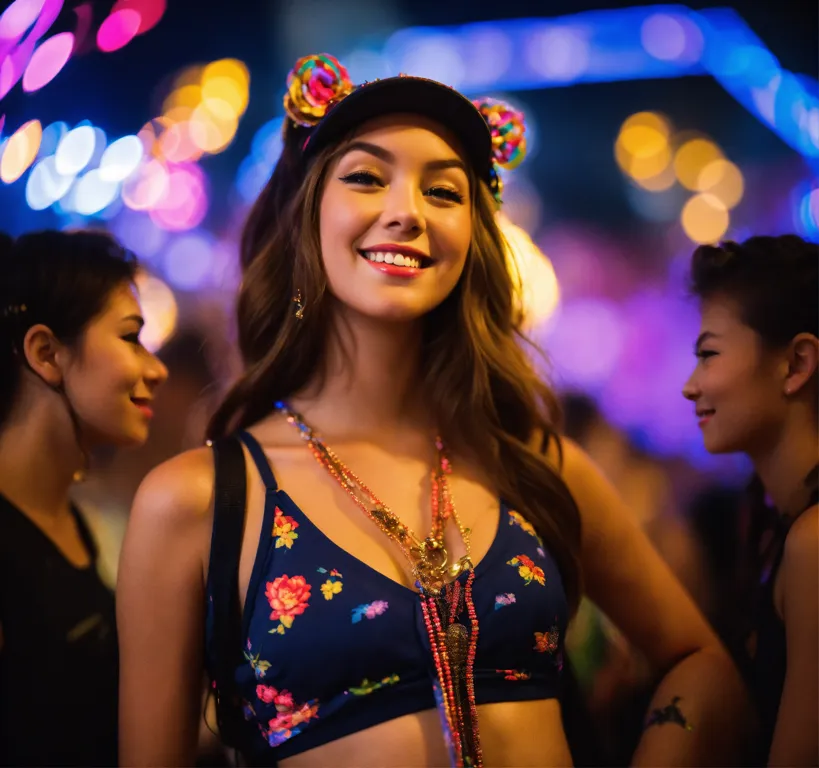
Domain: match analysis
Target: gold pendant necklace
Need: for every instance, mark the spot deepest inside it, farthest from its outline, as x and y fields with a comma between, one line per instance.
x=447, y=606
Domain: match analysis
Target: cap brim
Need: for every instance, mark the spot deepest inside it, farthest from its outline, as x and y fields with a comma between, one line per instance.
x=412, y=95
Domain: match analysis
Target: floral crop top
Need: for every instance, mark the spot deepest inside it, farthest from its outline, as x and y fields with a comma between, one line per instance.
x=332, y=646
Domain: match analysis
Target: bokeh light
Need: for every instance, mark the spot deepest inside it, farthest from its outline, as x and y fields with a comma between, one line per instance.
x=47, y=61
x=52, y=136
x=20, y=151
x=722, y=179
x=185, y=202
x=535, y=283
x=46, y=185
x=436, y=57
x=159, y=309
x=672, y=37
x=642, y=147
x=150, y=12
x=147, y=187
x=691, y=158
x=118, y=30
x=585, y=342
x=705, y=219
x=76, y=150
x=188, y=261
x=18, y=17
x=121, y=159
x=559, y=53
x=93, y=193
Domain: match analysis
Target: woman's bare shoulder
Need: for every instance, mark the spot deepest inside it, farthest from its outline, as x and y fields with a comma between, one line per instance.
x=179, y=491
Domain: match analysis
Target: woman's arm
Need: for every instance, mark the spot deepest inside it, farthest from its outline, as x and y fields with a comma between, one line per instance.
x=160, y=612
x=796, y=737
x=701, y=707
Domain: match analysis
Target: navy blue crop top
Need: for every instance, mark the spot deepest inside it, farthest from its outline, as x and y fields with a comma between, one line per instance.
x=332, y=646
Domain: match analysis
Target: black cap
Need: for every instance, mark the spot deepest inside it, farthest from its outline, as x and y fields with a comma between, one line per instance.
x=411, y=95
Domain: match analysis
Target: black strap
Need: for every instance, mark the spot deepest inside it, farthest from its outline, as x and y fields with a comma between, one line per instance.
x=260, y=460
x=230, y=496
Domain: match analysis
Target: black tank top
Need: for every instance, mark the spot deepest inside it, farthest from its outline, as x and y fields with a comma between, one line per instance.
x=766, y=646
x=58, y=661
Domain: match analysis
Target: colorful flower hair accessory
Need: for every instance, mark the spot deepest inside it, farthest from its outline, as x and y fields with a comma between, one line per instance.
x=314, y=84
x=508, y=131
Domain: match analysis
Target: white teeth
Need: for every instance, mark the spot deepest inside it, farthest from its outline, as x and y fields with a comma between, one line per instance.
x=399, y=259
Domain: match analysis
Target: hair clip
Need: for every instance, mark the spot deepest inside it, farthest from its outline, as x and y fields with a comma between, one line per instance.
x=313, y=85
x=508, y=129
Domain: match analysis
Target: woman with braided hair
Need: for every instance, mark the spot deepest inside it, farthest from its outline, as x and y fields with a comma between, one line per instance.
x=73, y=378
x=755, y=391
x=377, y=558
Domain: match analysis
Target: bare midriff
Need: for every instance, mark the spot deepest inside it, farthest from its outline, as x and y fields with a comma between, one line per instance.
x=514, y=734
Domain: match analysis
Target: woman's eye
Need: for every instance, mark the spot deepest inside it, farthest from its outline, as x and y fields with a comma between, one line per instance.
x=132, y=338
x=444, y=193
x=364, y=178
x=703, y=354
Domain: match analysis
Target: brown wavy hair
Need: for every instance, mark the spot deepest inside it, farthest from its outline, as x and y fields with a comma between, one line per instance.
x=479, y=383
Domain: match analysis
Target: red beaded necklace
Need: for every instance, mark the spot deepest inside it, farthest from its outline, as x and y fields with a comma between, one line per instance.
x=449, y=612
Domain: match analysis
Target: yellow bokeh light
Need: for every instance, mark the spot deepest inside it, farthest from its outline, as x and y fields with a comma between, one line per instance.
x=642, y=149
x=643, y=140
x=227, y=91
x=232, y=69
x=211, y=133
x=537, y=292
x=651, y=120
x=159, y=309
x=722, y=179
x=691, y=158
x=178, y=114
x=20, y=151
x=189, y=76
x=643, y=166
x=189, y=96
x=705, y=219
x=659, y=182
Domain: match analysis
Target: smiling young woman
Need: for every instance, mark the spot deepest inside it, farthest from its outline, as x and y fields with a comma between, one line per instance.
x=73, y=377
x=404, y=600
x=755, y=391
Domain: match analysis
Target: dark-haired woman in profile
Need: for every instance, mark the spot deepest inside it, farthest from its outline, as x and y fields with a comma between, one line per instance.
x=73, y=377
x=755, y=391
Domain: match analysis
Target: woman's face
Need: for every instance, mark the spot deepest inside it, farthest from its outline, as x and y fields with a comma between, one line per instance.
x=396, y=217
x=737, y=386
x=110, y=378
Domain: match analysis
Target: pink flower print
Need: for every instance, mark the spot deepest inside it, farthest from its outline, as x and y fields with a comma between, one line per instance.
x=284, y=529
x=284, y=701
x=503, y=600
x=288, y=597
x=369, y=610
x=266, y=693
x=376, y=609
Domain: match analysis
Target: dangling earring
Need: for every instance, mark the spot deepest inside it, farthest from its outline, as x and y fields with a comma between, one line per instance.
x=299, y=305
